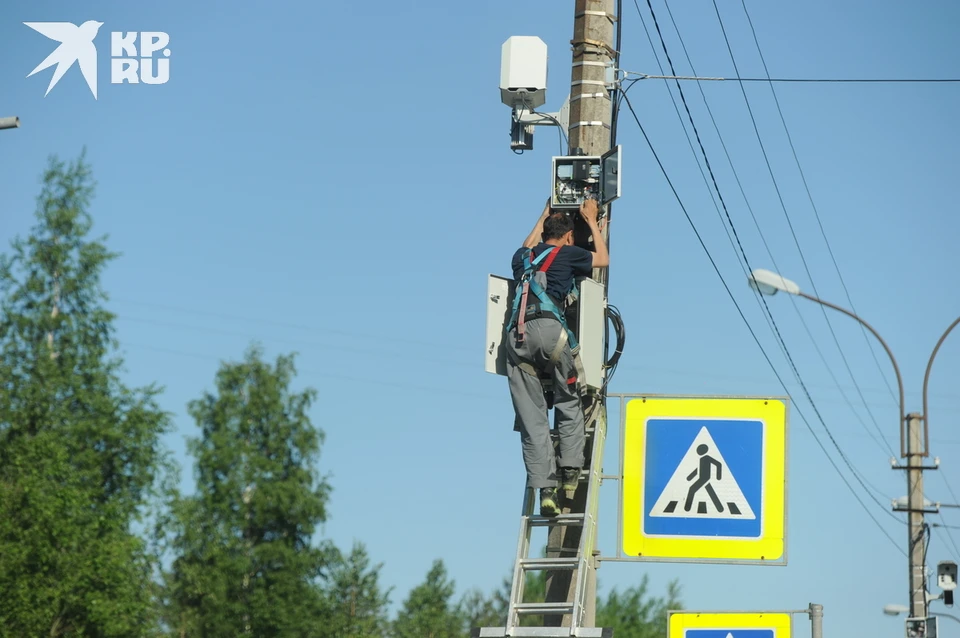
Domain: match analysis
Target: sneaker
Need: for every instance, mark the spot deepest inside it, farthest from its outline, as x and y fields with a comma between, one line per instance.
x=548, y=501
x=570, y=478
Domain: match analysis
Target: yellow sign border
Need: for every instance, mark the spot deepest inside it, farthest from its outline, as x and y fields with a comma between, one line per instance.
x=771, y=545
x=779, y=622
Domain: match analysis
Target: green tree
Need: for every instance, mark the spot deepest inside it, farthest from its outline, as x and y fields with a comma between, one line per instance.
x=358, y=606
x=634, y=614
x=427, y=612
x=244, y=561
x=80, y=453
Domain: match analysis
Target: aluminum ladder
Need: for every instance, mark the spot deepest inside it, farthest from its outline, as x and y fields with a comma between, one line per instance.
x=579, y=564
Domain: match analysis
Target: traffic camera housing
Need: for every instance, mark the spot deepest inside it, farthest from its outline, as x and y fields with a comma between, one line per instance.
x=523, y=72
x=947, y=580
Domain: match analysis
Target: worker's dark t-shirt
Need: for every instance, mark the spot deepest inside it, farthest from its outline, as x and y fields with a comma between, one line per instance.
x=570, y=262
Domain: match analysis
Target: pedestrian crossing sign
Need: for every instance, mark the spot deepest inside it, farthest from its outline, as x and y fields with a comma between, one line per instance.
x=705, y=479
x=728, y=624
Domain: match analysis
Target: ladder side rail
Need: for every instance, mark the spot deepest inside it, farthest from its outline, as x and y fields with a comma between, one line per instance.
x=589, y=535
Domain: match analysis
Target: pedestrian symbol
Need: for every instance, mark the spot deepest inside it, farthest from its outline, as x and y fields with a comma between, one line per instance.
x=703, y=486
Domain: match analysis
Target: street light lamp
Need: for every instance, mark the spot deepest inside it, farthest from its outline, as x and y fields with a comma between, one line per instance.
x=896, y=610
x=766, y=282
x=769, y=283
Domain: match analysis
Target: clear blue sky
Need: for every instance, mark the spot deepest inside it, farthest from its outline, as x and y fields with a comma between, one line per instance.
x=335, y=179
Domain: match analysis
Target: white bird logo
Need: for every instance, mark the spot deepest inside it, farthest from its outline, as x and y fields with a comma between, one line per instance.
x=76, y=46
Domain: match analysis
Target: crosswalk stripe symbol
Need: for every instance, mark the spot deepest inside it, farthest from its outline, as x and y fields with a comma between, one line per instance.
x=703, y=486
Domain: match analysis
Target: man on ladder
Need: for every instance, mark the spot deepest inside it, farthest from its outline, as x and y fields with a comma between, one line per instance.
x=542, y=352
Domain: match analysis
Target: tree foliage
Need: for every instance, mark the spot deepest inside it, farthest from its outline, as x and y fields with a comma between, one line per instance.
x=635, y=614
x=81, y=465
x=358, y=606
x=80, y=452
x=244, y=559
x=428, y=612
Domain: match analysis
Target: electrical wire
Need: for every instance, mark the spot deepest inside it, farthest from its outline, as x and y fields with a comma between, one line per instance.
x=308, y=374
x=849, y=80
x=948, y=528
x=816, y=212
x=614, y=97
x=715, y=78
x=880, y=442
x=796, y=372
x=793, y=233
x=943, y=477
x=562, y=134
x=703, y=175
x=750, y=328
x=613, y=314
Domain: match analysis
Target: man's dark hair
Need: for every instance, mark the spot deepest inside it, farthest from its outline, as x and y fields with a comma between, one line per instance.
x=556, y=226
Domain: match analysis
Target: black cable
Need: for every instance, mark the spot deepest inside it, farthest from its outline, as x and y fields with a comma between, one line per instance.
x=803, y=177
x=786, y=351
x=753, y=334
x=879, y=441
x=613, y=314
x=562, y=135
x=857, y=80
x=953, y=542
x=614, y=97
x=760, y=302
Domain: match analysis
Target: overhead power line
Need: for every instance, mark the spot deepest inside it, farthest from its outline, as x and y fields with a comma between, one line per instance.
x=857, y=475
x=754, y=335
x=780, y=339
x=647, y=76
x=880, y=442
x=823, y=233
x=793, y=233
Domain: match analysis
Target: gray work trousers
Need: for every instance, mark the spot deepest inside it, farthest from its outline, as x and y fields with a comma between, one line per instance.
x=530, y=405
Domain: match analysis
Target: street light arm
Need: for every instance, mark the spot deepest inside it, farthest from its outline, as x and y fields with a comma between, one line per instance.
x=883, y=343
x=926, y=375
x=954, y=618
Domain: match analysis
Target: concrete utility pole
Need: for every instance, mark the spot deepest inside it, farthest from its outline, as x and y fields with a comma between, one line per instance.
x=914, y=446
x=589, y=129
x=915, y=509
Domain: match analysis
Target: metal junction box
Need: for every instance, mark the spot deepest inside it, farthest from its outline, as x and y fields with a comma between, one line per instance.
x=579, y=177
x=591, y=316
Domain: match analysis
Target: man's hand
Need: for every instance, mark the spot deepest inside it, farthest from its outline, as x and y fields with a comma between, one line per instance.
x=589, y=211
x=546, y=208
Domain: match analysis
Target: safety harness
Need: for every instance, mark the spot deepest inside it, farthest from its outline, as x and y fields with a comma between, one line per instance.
x=534, y=280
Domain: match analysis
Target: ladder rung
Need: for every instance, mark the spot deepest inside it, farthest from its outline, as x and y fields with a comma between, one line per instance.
x=559, y=519
x=549, y=563
x=529, y=609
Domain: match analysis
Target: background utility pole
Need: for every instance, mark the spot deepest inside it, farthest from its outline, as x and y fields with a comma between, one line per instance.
x=916, y=529
x=590, y=130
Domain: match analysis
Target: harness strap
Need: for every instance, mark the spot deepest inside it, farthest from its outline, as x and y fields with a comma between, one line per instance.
x=547, y=258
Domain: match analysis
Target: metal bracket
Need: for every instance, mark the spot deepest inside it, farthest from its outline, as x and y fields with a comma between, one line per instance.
x=917, y=511
x=537, y=119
